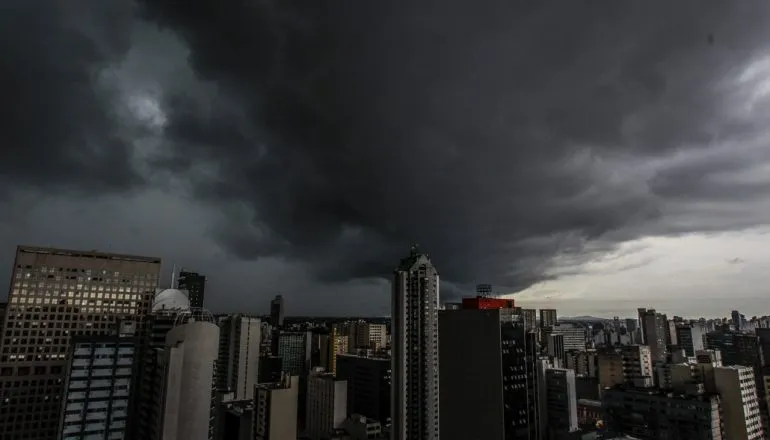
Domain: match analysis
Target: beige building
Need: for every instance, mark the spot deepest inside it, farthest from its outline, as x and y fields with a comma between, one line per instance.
x=54, y=295
x=191, y=352
x=326, y=404
x=740, y=407
x=275, y=409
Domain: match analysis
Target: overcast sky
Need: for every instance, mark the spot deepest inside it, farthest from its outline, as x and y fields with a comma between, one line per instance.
x=594, y=156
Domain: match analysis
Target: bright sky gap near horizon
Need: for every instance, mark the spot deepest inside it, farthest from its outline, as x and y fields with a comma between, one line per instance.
x=594, y=156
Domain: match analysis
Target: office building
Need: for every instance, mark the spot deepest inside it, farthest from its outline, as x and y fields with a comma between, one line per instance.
x=189, y=360
x=555, y=347
x=740, y=404
x=335, y=344
x=415, y=349
x=584, y=363
x=57, y=294
x=366, y=335
x=326, y=404
x=276, y=311
x=637, y=364
x=238, y=361
x=148, y=386
x=195, y=284
x=690, y=337
x=295, y=348
x=654, y=332
x=488, y=375
x=368, y=380
x=653, y=414
x=574, y=335
x=561, y=403
x=548, y=317
x=275, y=409
x=96, y=398
x=737, y=320
x=530, y=318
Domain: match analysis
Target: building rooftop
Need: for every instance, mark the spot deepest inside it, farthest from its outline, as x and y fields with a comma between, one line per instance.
x=87, y=254
x=657, y=392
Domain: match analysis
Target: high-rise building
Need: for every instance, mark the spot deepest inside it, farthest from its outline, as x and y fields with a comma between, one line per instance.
x=690, y=338
x=574, y=335
x=368, y=380
x=238, y=362
x=415, y=349
x=561, y=403
x=366, y=335
x=530, y=318
x=337, y=343
x=555, y=347
x=326, y=404
x=740, y=406
x=56, y=294
x=294, y=348
x=189, y=359
x=654, y=332
x=548, y=317
x=276, y=311
x=637, y=364
x=736, y=319
x=488, y=375
x=96, y=397
x=275, y=409
x=195, y=284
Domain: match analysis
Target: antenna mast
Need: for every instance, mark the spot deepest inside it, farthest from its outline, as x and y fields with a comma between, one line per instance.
x=173, y=276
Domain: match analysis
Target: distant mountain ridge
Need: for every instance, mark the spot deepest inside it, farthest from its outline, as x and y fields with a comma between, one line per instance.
x=583, y=318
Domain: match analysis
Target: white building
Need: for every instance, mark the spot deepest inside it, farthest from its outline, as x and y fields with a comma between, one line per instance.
x=326, y=404
x=415, y=358
x=191, y=352
x=740, y=406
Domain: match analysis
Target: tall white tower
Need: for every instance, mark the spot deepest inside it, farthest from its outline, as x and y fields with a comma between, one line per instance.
x=415, y=369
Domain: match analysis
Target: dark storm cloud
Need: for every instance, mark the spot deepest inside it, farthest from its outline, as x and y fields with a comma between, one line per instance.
x=57, y=129
x=482, y=131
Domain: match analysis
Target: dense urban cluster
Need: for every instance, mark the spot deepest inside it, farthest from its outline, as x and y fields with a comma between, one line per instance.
x=94, y=348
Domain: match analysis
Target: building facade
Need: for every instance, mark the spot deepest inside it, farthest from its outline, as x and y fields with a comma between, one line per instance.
x=326, y=404
x=415, y=346
x=488, y=375
x=368, y=380
x=96, y=399
x=238, y=361
x=195, y=284
x=56, y=294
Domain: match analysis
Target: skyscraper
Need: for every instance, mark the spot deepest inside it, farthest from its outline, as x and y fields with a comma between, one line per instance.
x=276, y=311
x=238, y=362
x=415, y=357
x=548, y=317
x=56, y=294
x=195, y=284
x=654, y=330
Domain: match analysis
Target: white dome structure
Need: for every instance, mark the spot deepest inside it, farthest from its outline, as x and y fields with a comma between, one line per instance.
x=171, y=299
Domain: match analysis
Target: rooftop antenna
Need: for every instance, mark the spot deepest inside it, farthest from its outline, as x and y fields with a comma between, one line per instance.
x=173, y=275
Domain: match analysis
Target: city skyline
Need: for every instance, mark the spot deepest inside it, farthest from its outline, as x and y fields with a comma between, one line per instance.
x=622, y=158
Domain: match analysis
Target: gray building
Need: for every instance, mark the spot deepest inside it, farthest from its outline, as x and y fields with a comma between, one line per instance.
x=690, y=338
x=295, y=349
x=195, y=284
x=488, y=375
x=652, y=414
x=56, y=294
x=276, y=311
x=561, y=403
x=548, y=318
x=368, y=380
x=655, y=331
x=574, y=335
x=96, y=400
x=415, y=346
